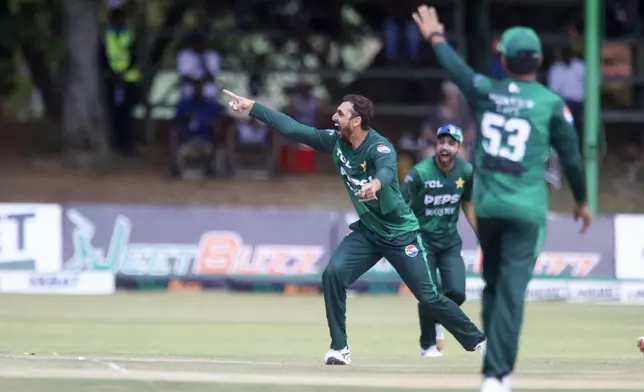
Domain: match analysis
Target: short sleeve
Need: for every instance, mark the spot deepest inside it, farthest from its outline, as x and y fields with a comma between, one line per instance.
x=213, y=61
x=185, y=62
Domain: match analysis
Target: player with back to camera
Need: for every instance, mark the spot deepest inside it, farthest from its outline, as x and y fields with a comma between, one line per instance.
x=518, y=119
x=386, y=226
x=437, y=189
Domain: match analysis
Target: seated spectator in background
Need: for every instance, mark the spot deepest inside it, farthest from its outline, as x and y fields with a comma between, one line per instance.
x=452, y=110
x=399, y=22
x=194, y=134
x=305, y=108
x=567, y=77
x=196, y=63
x=496, y=65
x=246, y=134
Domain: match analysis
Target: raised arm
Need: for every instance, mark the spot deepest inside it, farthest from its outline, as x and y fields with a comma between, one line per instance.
x=321, y=140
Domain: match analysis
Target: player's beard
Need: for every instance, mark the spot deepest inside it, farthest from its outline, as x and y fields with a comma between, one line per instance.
x=344, y=132
x=445, y=156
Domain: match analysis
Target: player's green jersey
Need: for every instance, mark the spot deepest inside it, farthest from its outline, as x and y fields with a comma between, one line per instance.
x=435, y=196
x=517, y=122
x=388, y=216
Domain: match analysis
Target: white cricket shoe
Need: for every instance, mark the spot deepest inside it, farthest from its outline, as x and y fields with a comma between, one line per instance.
x=482, y=349
x=492, y=384
x=338, y=357
x=431, y=352
x=505, y=381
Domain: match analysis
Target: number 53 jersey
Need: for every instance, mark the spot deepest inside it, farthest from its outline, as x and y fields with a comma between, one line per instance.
x=517, y=122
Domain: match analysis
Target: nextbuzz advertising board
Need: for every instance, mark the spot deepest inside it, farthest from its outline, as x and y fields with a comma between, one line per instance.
x=197, y=243
x=566, y=254
x=83, y=283
x=629, y=247
x=30, y=237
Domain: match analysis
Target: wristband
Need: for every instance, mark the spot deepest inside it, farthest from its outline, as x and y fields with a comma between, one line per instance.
x=436, y=34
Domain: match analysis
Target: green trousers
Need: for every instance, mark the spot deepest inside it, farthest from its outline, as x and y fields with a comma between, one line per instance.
x=361, y=250
x=445, y=257
x=510, y=249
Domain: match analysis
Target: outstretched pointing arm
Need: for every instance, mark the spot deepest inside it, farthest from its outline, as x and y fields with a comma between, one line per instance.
x=321, y=140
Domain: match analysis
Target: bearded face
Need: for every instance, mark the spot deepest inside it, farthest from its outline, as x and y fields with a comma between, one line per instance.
x=345, y=120
x=447, y=149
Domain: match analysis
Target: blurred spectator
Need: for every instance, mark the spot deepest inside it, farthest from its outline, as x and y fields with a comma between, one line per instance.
x=452, y=110
x=566, y=77
x=496, y=65
x=397, y=22
x=111, y=4
x=196, y=63
x=122, y=76
x=195, y=132
x=621, y=17
x=247, y=135
x=305, y=108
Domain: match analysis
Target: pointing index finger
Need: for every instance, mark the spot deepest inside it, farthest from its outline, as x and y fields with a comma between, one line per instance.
x=230, y=94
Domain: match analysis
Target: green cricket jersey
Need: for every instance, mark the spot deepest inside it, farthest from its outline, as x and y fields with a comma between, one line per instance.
x=388, y=216
x=435, y=197
x=517, y=122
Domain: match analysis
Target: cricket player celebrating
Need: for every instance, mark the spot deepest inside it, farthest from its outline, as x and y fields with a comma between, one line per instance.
x=518, y=119
x=435, y=189
x=386, y=226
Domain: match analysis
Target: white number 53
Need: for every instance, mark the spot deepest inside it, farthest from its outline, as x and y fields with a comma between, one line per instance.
x=495, y=127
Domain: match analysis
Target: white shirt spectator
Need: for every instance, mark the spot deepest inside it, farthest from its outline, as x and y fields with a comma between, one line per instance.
x=568, y=80
x=190, y=64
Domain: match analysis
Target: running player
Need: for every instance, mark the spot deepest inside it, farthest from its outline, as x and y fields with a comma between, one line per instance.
x=435, y=189
x=386, y=226
x=517, y=121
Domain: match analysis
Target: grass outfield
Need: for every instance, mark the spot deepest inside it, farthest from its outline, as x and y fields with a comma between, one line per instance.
x=274, y=343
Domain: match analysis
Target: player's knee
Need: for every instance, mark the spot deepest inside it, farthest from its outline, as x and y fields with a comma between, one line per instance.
x=332, y=272
x=458, y=296
x=428, y=300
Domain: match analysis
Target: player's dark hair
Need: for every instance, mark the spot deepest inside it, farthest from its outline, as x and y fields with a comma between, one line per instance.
x=362, y=107
x=522, y=63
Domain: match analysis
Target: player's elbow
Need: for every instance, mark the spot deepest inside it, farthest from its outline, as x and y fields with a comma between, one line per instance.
x=385, y=175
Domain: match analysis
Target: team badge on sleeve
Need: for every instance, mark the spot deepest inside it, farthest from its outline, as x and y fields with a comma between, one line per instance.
x=568, y=115
x=383, y=149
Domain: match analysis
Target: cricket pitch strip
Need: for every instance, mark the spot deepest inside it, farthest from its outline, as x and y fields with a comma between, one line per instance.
x=196, y=370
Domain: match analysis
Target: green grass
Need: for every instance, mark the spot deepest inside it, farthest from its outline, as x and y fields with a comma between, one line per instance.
x=266, y=335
